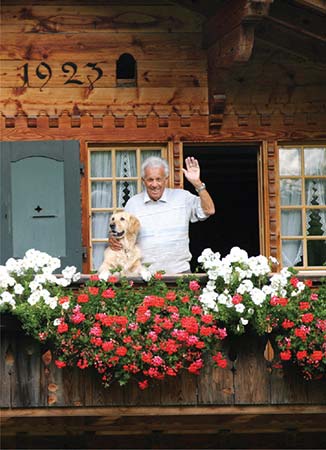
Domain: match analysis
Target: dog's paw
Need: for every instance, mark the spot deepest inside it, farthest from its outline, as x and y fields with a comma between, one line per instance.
x=104, y=275
x=145, y=274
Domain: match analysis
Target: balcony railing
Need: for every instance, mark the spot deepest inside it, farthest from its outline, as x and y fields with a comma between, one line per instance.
x=31, y=379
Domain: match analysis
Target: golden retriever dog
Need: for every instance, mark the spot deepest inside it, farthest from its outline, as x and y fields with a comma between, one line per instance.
x=124, y=227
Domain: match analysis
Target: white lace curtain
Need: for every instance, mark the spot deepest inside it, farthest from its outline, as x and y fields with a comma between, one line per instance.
x=315, y=191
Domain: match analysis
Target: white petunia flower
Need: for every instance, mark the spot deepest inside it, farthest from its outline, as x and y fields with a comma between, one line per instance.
x=6, y=297
x=223, y=299
x=34, y=286
x=209, y=300
x=62, y=282
x=18, y=289
x=34, y=298
x=258, y=296
x=65, y=305
x=240, y=307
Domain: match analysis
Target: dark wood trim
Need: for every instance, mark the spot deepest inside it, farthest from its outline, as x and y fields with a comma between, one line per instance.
x=118, y=411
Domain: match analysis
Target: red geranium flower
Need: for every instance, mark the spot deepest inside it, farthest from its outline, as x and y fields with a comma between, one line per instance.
x=194, y=285
x=121, y=351
x=113, y=279
x=109, y=293
x=307, y=318
x=317, y=355
x=63, y=327
x=93, y=290
x=301, y=354
x=82, y=298
x=285, y=355
x=60, y=364
x=171, y=295
x=304, y=305
x=287, y=324
x=143, y=384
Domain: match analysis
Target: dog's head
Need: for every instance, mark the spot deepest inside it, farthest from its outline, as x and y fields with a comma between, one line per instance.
x=124, y=224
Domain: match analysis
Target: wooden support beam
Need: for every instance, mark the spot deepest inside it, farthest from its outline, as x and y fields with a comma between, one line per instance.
x=229, y=38
x=230, y=15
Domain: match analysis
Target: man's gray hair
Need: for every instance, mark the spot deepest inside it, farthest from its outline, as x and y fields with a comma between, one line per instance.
x=154, y=162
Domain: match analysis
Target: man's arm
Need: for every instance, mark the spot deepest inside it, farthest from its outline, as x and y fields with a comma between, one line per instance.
x=192, y=173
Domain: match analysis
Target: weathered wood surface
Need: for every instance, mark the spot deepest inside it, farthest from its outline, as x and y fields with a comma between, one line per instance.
x=143, y=46
x=29, y=378
x=168, y=17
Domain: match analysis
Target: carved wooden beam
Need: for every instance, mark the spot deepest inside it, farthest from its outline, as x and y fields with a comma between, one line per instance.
x=229, y=38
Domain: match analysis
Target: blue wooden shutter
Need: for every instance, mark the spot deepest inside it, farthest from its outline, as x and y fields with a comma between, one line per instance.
x=40, y=200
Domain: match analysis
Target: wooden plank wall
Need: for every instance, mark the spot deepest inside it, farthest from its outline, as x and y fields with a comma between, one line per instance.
x=164, y=39
x=277, y=94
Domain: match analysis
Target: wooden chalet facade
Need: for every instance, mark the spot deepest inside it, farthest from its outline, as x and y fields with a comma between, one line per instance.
x=91, y=87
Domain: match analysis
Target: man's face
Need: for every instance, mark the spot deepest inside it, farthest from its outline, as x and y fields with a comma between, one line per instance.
x=155, y=182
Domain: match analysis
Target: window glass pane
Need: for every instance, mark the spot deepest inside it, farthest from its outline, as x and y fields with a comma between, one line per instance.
x=316, y=191
x=147, y=153
x=101, y=164
x=290, y=192
x=290, y=163
x=101, y=194
x=100, y=225
x=125, y=190
x=291, y=223
x=316, y=253
x=316, y=222
x=126, y=165
x=292, y=253
x=315, y=161
x=98, y=252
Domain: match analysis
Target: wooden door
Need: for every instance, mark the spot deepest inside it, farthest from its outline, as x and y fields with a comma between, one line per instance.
x=40, y=200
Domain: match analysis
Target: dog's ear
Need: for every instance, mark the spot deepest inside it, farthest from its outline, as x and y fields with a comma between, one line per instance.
x=134, y=225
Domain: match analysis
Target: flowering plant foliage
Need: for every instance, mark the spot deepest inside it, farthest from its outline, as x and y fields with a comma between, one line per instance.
x=237, y=289
x=298, y=317
x=30, y=289
x=151, y=332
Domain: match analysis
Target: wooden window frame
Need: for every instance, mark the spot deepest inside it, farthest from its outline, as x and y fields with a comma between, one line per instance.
x=303, y=207
x=114, y=148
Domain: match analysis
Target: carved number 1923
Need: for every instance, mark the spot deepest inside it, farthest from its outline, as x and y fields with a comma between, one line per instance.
x=44, y=72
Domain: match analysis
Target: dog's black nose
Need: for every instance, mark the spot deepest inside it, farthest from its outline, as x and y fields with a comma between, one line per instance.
x=112, y=226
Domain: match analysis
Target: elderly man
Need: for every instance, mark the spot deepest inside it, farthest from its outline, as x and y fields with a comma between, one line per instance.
x=165, y=214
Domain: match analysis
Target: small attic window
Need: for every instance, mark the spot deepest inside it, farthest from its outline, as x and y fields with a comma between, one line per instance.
x=126, y=70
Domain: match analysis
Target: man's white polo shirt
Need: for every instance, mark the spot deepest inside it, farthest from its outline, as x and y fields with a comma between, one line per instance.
x=164, y=233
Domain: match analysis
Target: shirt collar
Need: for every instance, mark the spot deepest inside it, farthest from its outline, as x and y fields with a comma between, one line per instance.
x=147, y=198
